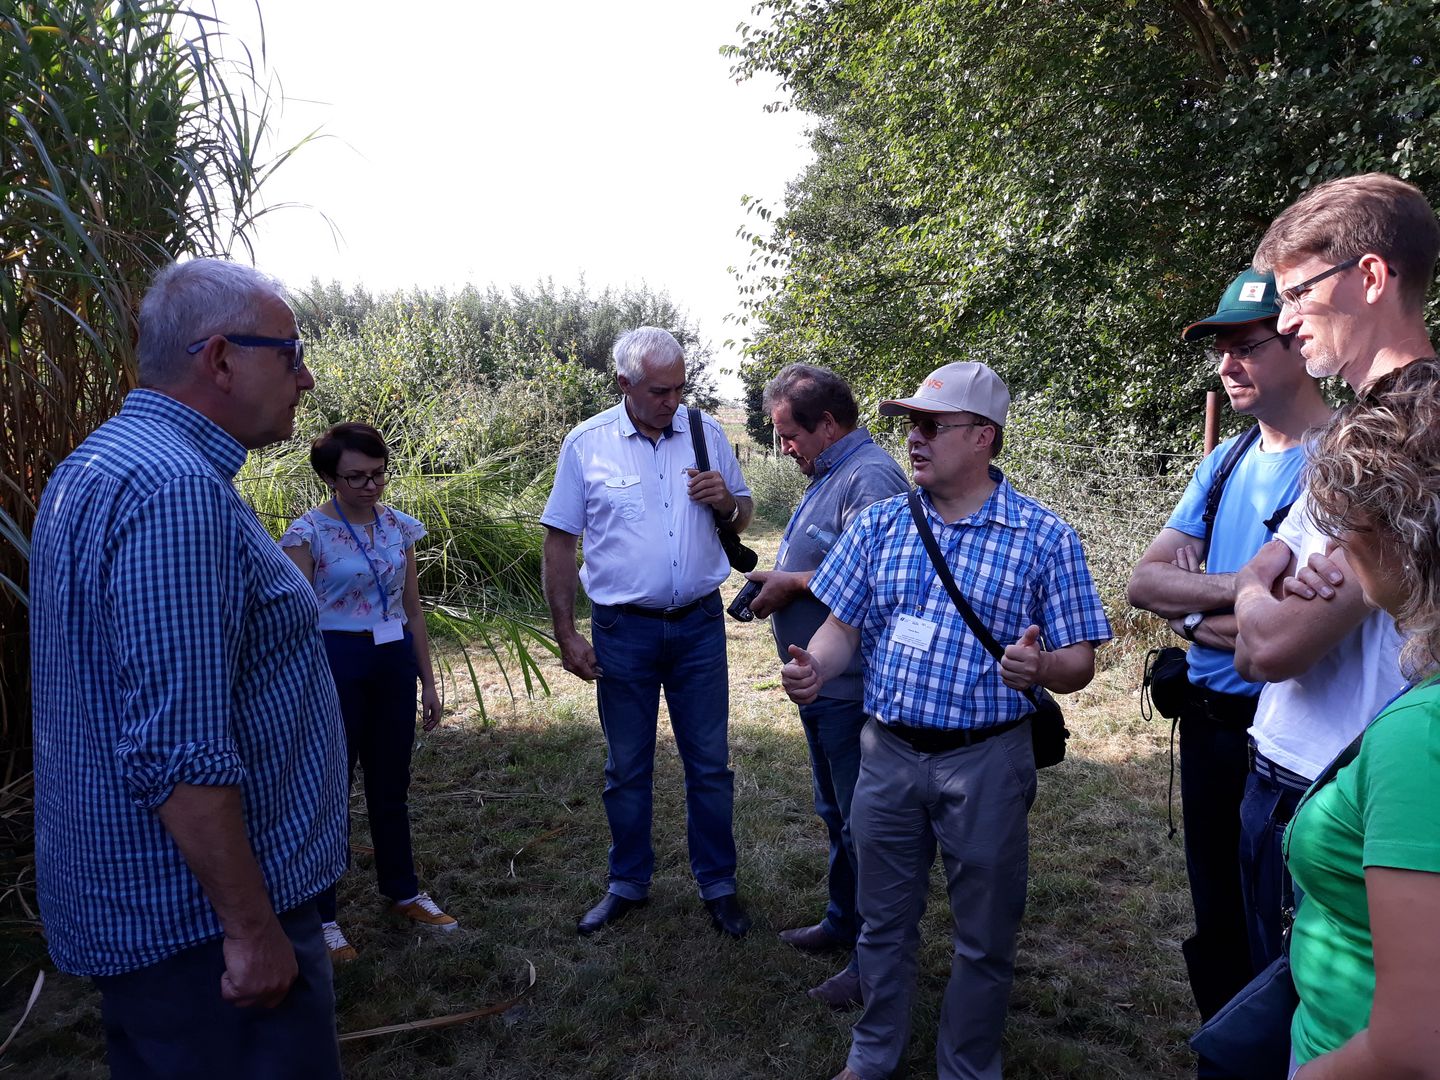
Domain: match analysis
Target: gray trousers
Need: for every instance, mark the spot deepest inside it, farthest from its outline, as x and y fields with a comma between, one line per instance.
x=973, y=803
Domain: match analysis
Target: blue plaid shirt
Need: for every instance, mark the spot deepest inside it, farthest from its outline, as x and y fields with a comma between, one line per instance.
x=172, y=643
x=1017, y=564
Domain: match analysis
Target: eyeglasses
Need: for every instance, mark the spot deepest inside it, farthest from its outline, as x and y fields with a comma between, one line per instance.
x=358, y=481
x=929, y=428
x=1294, y=296
x=294, y=346
x=1241, y=352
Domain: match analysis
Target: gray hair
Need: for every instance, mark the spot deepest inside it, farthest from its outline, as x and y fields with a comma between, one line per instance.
x=645, y=346
x=190, y=301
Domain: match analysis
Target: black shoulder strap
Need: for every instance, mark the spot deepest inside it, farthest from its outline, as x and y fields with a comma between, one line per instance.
x=697, y=437
x=1222, y=474
x=979, y=629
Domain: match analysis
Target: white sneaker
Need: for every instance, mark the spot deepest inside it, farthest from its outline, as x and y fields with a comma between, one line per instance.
x=341, y=951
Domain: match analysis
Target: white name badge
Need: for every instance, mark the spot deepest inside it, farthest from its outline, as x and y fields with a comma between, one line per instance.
x=386, y=632
x=912, y=632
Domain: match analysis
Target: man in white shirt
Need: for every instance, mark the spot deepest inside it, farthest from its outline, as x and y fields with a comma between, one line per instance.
x=1352, y=261
x=627, y=480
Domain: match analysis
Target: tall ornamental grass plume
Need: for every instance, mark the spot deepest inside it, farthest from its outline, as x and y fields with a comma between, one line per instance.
x=130, y=134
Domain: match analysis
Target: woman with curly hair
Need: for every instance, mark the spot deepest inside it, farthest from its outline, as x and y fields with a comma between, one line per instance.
x=1364, y=849
x=358, y=554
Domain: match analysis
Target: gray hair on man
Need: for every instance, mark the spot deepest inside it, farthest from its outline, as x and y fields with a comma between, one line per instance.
x=645, y=346
x=191, y=301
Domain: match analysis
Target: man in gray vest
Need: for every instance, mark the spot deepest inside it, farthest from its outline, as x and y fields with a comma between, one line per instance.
x=815, y=417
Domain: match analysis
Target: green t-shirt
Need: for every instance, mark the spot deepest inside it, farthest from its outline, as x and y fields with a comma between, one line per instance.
x=1380, y=810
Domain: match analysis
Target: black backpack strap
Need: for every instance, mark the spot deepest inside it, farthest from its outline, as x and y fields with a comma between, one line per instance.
x=1278, y=518
x=1222, y=474
x=979, y=629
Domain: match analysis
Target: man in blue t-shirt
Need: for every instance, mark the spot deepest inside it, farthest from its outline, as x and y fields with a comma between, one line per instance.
x=1187, y=576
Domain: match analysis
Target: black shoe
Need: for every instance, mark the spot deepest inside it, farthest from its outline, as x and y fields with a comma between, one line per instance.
x=812, y=939
x=609, y=910
x=727, y=916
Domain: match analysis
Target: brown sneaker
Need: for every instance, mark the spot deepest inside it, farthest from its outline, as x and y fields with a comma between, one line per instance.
x=341, y=951
x=423, y=911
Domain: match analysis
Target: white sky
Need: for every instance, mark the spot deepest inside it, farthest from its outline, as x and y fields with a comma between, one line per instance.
x=498, y=142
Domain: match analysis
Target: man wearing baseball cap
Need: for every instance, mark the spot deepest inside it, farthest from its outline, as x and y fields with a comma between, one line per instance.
x=1187, y=576
x=946, y=758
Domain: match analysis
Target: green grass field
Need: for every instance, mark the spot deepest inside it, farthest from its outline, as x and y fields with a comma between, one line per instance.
x=510, y=835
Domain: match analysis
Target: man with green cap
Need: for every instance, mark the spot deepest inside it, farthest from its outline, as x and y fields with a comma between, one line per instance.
x=1187, y=576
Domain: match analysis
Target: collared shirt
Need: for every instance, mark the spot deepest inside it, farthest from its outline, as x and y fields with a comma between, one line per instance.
x=848, y=476
x=1017, y=564
x=173, y=643
x=646, y=541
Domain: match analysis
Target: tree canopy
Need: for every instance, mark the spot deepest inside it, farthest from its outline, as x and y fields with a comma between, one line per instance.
x=1057, y=186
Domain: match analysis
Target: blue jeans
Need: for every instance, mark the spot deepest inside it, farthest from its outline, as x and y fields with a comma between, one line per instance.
x=686, y=657
x=832, y=728
x=1264, y=813
x=376, y=687
x=168, y=1021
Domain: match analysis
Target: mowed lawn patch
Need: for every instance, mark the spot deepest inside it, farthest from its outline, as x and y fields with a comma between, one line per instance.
x=510, y=837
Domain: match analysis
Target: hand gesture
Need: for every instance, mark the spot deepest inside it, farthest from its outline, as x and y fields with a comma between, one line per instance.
x=1318, y=577
x=1187, y=558
x=800, y=677
x=1265, y=569
x=1020, y=666
x=577, y=656
x=429, y=708
x=778, y=590
x=709, y=488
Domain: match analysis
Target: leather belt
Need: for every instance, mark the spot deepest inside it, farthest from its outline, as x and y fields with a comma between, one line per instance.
x=668, y=614
x=1228, y=710
x=1278, y=775
x=940, y=740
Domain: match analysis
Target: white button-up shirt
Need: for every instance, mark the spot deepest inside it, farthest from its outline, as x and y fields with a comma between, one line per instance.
x=646, y=541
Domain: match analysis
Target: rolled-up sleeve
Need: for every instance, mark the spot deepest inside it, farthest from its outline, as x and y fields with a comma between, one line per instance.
x=175, y=571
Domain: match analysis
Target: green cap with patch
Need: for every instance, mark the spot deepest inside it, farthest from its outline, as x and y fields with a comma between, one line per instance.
x=1250, y=298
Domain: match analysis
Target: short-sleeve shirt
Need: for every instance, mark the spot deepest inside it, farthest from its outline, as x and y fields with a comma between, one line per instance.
x=1302, y=723
x=646, y=541
x=1014, y=560
x=345, y=574
x=173, y=643
x=849, y=475
x=1380, y=810
x=1261, y=484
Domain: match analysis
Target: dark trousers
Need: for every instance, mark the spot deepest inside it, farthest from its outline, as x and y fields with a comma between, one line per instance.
x=832, y=728
x=169, y=1022
x=376, y=685
x=1214, y=764
x=1266, y=810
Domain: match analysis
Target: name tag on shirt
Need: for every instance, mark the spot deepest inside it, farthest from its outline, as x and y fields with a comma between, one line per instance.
x=912, y=632
x=388, y=631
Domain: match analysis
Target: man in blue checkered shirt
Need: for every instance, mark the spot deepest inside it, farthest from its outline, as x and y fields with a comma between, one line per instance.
x=946, y=756
x=189, y=757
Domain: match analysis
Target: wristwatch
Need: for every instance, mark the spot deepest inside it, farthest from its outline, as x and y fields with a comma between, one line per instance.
x=1191, y=624
x=733, y=513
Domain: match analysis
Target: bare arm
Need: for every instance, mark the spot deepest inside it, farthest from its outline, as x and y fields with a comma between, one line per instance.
x=1217, y=631
x=1161, y=584
x=1402, y=1041
x=827, y=655
x=561, y=578
x=208, y=826
x=1281, y=637
x=1026, y=664
x=302, y=557
x=415, y=619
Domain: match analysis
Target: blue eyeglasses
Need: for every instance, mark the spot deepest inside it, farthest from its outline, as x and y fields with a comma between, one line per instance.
x=294, y=346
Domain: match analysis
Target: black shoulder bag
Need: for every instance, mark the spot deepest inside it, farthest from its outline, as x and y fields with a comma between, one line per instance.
x=1250, y=1037
x=1166, y=681
x=1047, y=723
x=740, y=556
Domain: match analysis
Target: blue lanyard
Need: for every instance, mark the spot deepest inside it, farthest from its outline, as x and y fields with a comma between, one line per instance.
x=785, y=539
x=384, y=600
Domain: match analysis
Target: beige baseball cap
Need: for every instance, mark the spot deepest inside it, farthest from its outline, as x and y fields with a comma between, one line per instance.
x=959, y=387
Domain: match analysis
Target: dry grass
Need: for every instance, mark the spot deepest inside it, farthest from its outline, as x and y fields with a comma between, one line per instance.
x=511, y=836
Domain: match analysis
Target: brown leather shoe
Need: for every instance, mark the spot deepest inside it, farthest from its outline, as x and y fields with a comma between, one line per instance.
x=840, y=991
x=812, y=939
